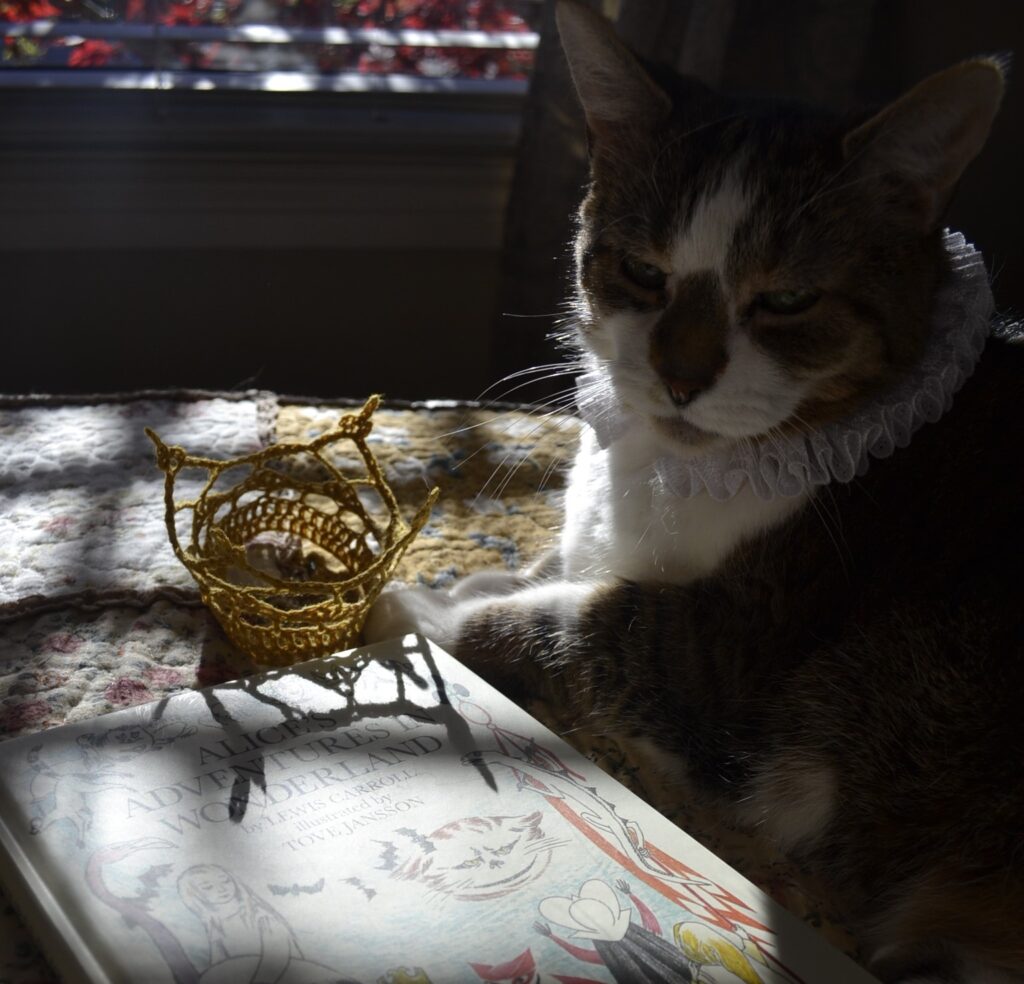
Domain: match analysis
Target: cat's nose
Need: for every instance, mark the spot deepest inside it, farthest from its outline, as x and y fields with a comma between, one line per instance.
x=684, y=391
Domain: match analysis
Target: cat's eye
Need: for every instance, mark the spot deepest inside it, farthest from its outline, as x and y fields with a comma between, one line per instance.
x=787, y=301
x=642, y=274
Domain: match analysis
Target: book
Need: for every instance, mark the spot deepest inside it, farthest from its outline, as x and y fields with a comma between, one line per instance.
x=382, y=815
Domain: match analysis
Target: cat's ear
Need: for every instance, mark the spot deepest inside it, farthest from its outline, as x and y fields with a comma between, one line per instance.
x=928, y=136
x=615, y=90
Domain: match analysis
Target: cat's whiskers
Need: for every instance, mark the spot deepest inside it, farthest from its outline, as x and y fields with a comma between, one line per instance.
x=549, y=471
x=562, y=366
x=543, y=314
x=559, y=405
x=460, y=431
x=643, y=536
x=568, y=369
x=563, y=370
x=497, y=419
x=499, y=490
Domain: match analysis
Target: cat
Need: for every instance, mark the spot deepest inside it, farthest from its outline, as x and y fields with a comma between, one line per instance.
x=790, y=560
x=474, y=858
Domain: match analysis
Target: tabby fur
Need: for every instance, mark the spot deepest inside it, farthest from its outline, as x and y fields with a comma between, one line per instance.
x=844, y=668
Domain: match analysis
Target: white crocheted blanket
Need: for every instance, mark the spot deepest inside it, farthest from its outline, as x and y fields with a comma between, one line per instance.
x=78, y=487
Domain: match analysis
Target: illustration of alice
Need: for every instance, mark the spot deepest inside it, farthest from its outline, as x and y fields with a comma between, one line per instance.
x=250, y=941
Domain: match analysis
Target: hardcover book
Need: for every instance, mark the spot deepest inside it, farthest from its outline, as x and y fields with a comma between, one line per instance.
x=379, y=816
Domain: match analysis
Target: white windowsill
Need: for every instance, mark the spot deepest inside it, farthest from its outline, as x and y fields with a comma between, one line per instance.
x=151, y=80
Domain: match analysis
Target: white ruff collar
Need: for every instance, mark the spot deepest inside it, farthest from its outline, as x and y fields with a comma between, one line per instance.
x=839, y=451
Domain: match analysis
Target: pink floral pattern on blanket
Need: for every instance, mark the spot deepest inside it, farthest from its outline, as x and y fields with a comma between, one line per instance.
x=79, y=486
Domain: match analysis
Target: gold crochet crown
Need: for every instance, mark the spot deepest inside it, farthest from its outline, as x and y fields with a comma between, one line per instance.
x=286, y=550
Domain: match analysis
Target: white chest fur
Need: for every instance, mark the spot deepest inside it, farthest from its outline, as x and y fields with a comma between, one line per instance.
x=621, y=521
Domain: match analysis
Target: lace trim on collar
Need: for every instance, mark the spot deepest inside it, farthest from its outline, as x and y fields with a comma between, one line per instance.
x=842, y=450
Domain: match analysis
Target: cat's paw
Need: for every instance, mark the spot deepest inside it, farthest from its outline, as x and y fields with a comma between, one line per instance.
x=414, y=609
x=487, y=584
x=435, y=613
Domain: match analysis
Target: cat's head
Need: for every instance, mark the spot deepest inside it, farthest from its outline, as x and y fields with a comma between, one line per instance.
x=476, y=858
x=748, y=268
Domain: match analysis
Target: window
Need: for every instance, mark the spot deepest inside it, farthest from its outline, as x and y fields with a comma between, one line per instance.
x=271, y=45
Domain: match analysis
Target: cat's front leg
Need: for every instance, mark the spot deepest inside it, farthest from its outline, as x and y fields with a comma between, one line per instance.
x=511, y=632
x=438, y=614
x=428, y=611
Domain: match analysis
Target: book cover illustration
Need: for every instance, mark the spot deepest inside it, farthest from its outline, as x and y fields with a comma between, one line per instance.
x=379, y=817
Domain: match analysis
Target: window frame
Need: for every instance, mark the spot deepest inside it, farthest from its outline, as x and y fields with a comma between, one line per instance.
x=158, y=157
x=179, y=168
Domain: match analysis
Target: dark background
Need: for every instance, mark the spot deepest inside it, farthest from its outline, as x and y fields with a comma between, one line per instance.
x=194, y=240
